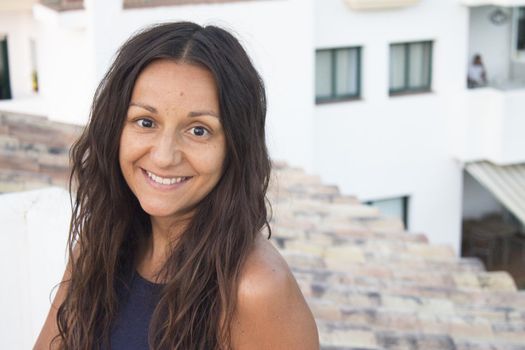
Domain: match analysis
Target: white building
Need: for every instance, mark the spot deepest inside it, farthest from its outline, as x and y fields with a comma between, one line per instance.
x=370, y=94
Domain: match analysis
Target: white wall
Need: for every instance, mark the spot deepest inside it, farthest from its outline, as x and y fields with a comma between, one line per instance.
x=385, y=146
x=65, y=67
x=19, y=28
x=32, y=249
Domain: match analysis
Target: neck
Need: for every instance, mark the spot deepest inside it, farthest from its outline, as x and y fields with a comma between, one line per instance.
x=155, y=250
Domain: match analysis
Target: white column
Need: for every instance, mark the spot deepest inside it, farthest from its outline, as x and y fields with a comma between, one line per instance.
x=102, y=19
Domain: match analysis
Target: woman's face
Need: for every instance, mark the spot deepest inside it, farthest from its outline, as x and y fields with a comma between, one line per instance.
x=172, y=146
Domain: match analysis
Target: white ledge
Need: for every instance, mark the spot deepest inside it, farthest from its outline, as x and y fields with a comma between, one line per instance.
x=74, y=19
x=16, y=5
x=379, y=4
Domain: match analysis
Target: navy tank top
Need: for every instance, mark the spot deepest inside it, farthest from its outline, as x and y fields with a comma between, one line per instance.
x=138, y=299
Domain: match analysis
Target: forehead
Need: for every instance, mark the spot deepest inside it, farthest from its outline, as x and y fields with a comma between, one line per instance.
x=168, y=82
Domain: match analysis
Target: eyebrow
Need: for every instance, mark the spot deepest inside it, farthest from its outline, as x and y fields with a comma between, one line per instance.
x=190, y=114
x=146, y=107
x=199, y=113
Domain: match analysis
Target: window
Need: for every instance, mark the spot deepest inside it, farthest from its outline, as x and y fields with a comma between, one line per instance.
x=410, y=67
x=34, y=71
x=337, y=74
x=393, y=207
x=520, y=30
x=5, y=86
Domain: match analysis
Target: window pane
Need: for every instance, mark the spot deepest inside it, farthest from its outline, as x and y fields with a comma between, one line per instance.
x=347, y=72
x=2, y=55
x=323, y=74
x=419, y=61
x=397, y=67
x=394, y=207
x=521, y=29
x=4, y=73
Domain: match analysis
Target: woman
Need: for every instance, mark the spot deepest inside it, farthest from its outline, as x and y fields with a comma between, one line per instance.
x=166, y=234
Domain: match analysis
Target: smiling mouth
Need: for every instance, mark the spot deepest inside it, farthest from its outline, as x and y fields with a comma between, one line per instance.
x=165, y=181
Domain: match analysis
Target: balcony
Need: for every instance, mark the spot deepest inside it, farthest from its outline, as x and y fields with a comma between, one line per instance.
x=379, y=4
x=495, y=119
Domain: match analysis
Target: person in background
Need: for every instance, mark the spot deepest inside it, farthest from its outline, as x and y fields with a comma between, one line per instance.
x=477, y=75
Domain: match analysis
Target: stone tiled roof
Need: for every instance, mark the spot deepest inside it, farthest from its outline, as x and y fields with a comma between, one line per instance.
x=33, y=152
x=370, y=284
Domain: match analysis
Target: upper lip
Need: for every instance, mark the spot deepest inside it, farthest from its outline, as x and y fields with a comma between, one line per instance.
x=164, y=176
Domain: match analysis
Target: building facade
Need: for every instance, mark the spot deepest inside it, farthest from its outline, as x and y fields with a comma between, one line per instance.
x=372, y=95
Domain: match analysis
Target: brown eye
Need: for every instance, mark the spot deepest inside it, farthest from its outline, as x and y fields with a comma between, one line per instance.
x=199, y=131
x=144, y=123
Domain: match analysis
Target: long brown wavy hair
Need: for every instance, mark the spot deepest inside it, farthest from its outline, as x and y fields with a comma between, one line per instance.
x=197, y=303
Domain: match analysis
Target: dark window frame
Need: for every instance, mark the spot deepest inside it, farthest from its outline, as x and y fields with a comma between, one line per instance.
x=406, y=89
x=334, y=97
x=6, y=93
x=519, y=44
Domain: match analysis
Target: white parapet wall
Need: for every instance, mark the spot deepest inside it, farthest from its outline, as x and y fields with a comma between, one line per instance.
x=493, y=126
x=379, y=4
x=33, y=251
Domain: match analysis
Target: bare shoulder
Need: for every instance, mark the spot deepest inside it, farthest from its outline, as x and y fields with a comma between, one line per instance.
x=271, y=311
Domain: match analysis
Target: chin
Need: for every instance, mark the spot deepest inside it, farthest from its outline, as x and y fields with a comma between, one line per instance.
x=158, y=211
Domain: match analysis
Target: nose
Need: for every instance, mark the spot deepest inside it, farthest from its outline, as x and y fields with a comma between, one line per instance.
x=166, y=151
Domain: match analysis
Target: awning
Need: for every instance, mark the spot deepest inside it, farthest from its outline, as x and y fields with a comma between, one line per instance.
x=507, y=184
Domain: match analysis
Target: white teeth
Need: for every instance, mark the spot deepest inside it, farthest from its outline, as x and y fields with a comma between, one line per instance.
x=165, y=181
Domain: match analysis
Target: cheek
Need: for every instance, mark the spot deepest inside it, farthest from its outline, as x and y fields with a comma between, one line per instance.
x=211, y=161
x=122, y=150
x=126, y=150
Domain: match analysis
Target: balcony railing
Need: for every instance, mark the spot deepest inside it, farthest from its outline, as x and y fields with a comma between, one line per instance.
x=63, y=5
x=379, y=4
x=495, y=124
